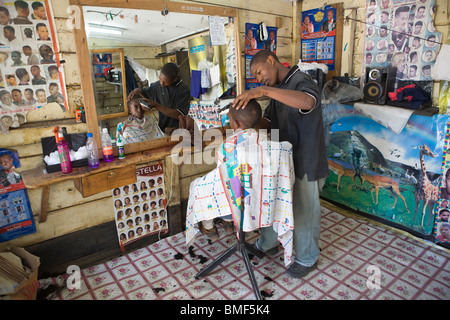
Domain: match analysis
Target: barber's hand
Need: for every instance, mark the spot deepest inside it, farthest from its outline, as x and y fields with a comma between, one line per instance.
x=136, y=93
x=242, y=100
x=188, y=123
x=169, y=131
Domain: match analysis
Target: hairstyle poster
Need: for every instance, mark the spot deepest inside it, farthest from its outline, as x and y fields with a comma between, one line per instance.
x=31, y=75
x=206, y=114
x=254, y=43
x=318, y=32
x=442, y=217
x=140, y=208
x=401, y=34
x=16, y=217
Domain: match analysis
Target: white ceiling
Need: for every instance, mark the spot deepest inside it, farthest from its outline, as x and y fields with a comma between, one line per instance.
x=144, y=26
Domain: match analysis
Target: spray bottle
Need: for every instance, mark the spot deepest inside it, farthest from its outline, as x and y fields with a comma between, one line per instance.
x=63, y=151
x=120, y=148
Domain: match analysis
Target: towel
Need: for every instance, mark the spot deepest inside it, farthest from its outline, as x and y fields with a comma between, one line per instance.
x=214, y=73
x=262, y=172
x=196, y=88
x=393, y=118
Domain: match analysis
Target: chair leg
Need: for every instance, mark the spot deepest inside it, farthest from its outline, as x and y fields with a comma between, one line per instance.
x=250, y=271
x=216, y=262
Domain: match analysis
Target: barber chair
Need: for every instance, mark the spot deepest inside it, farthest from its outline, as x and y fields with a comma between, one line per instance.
x=241, y=246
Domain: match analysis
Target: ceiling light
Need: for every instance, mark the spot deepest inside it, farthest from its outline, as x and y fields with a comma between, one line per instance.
x=100, y=28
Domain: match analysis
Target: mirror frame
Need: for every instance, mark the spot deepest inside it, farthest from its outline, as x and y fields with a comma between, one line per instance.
x=83, y=54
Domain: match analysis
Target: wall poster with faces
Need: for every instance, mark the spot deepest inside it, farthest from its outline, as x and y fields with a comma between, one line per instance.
x=16, y=216
x=140, y=208
x=31, y=75
x=401, y=33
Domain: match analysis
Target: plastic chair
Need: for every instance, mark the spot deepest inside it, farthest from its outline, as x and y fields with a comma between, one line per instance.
x=240, y=246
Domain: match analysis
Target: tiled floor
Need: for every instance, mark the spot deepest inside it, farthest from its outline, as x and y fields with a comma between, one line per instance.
x=408, y=269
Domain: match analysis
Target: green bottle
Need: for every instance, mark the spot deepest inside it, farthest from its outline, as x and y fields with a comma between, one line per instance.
x=120, y=148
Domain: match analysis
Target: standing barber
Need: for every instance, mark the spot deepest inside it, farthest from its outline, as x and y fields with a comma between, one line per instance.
x=170, y=96
x=295, y=110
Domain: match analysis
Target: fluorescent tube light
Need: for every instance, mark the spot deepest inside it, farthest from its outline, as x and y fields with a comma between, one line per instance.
x=105, y=29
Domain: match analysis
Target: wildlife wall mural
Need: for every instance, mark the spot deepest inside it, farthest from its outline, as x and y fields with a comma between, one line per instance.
x=393, y=177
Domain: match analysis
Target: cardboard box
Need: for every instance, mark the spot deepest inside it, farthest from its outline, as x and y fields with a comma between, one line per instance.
x=27, y=289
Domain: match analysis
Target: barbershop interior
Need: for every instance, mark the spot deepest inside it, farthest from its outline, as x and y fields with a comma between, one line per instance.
x=225, y=150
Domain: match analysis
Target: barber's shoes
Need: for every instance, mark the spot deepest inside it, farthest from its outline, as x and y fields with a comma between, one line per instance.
x=297, y=270
x=260, y=254
x=228, y=226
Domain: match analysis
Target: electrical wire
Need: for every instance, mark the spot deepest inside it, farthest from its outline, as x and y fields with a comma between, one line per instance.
x=404, y=33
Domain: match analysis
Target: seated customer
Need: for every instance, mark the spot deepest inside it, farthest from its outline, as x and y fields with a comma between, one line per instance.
x=138, y=127
x=253, y=179
x=242, y=121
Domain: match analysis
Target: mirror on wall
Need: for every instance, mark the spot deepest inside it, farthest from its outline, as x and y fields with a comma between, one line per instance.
x=148, y=35
x=109, y=83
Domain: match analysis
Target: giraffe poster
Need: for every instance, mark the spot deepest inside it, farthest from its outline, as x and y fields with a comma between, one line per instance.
x=394, y=178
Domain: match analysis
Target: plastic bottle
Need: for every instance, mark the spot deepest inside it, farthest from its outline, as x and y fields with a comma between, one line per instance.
x=120, y=148
x=107, y=146
x=64, y=154
x=92, y=151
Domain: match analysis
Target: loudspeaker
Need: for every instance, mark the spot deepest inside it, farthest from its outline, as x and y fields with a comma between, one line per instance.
x=377, y=83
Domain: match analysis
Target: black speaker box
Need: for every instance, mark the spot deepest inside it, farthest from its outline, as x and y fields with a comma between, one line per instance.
x=378, y=81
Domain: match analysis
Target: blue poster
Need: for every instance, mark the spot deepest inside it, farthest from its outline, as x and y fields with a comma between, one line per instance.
x=318, y=33
x=16, y=217
x=254, y=43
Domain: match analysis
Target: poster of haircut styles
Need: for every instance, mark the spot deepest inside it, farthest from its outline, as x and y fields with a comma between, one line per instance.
x=205, y=114
x=401, y=34
x=31, y=75
x=140, y=208
x=16, y=217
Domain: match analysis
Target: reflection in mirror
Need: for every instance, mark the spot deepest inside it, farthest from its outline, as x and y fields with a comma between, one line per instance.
x=139, y=126
x=149, y=39
x=109, y=84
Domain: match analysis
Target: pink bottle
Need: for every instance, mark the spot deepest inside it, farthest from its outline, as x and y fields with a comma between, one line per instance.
x=64, y=154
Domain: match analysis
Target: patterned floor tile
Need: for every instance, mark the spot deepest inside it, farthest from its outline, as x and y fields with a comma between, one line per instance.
x=143, y=293
x=343, y=292
x=132, y=283
x=100, y=279
x=235, y=290
x=124, y=271
x=117, y=262
x=200, y=289
x=439, y=290
x=358, y=261
x=403, y=289
x=108, y=292
x=99, y=268
x=306, y=292
x=398, y=256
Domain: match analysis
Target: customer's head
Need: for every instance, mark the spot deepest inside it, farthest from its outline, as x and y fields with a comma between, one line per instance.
x=245, y=118
x=135, y=108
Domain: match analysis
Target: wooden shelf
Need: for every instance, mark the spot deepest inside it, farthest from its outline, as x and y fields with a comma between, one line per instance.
x=36, y=178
